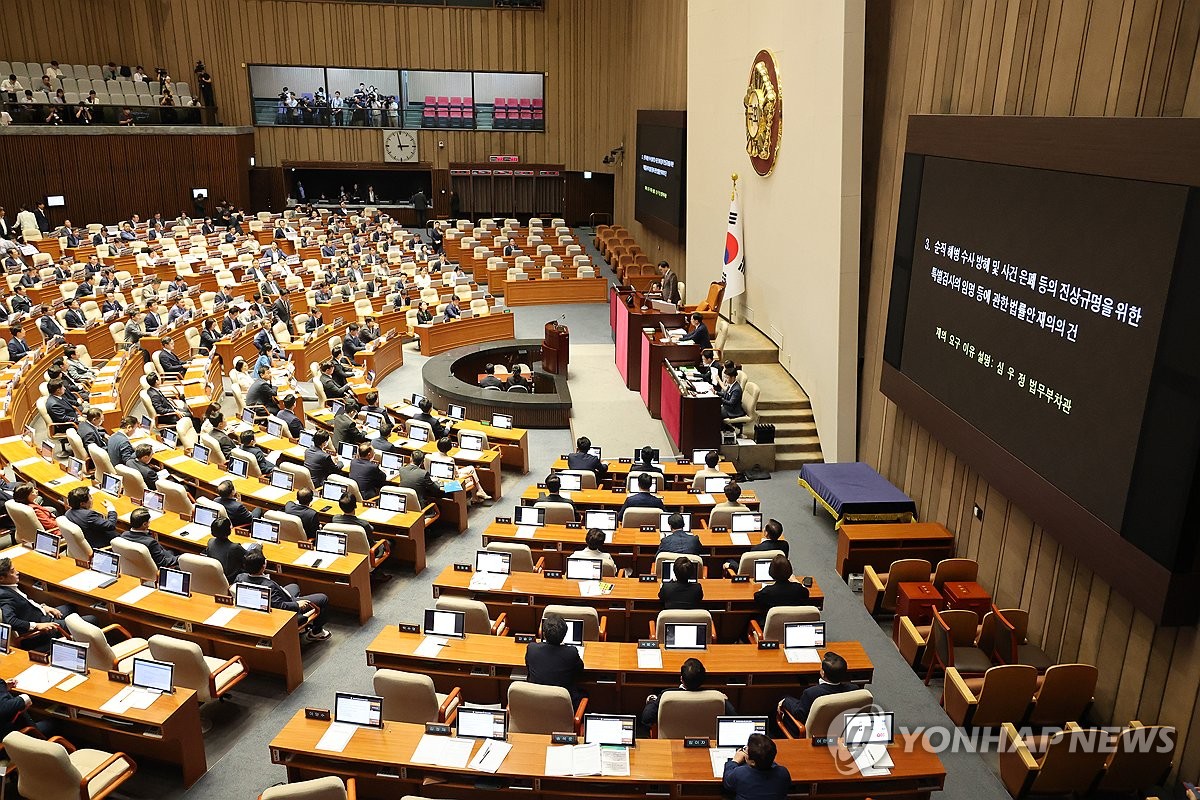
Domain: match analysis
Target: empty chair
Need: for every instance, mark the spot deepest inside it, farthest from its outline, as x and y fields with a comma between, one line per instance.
x=521, y=557
x=411, y=697
x=1132, y=767
x=1065, y=694
x=685, y=714
x=207, y=575
x=879, y=589
x=328, y=788
x=357, y=542
x=658, y=626
x=210, y=678
x=955, y=569
x=557, y=513
x=55, y=769
x=594, y=626
x=176, y=498
x=102, y=655
x=291, y=527
x=825, y=717
x=1003, y=694
x=952, y=644
x=772, y=627
x=100, y=459
x=1002, y=636
x=587, y=478
x=1070, y=763
x=301, y=477
x=478, y=620
x=533, y=708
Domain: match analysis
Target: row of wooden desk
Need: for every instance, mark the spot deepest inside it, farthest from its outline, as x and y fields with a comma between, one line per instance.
x=544, y=291
x=674, y=500
x=438, y=337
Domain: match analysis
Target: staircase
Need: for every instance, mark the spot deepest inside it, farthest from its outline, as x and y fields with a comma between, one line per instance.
x=782, y=402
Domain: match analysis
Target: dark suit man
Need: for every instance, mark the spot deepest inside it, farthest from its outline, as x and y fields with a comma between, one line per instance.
x=679, y=540
x=413, y=476
x=120, y=450
x=164, y=409
x=294, y=425
x=300, y=507
x=50, y=328
x=669, y=283
x=230, y=554
x=98, y=530
x=698, y=334
x=332, y=389
x=74, y=318
x=366, y=473
x=141, y=463
x=263, y=393
x=346, y=428
x=17, y=346
x=139, y=532
x=642, y=498
x=91, y=432
x=833, y=680
x=282, y=311
x=550, y=662
x=26, y=614
x=440, y=428
x=222, y=438
x=239, y=515
x=59, y=407
x=583, y=459
x=171, y=363
x=691, y=679
x=287, y=598
x=318, y=461
x=731, y=395
x=682, y=592
x=645, y=462
x=553, y=493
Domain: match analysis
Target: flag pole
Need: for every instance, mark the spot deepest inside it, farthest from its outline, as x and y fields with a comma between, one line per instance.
x=732, y=195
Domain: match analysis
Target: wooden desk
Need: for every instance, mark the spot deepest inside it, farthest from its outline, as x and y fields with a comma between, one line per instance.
x=383, y=359
x=97, y=339
x=628, y=318
x=484, y=666
x=630, y=607
x=881, y=544
x=678, y=475
x=655, y=353
x=558, y=290
x=268, y=642
x=692, y=420
x=241, y=343
x=438, y=337
x=967, y=596
x=916, y=600
x=673, y=500
x=169, y=730
x=308, y=350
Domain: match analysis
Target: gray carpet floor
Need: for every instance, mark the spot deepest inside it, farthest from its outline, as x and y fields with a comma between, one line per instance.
x=238, y=759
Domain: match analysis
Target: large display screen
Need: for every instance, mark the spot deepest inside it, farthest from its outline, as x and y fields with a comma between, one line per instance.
x=1034, y=309
x=659, y=178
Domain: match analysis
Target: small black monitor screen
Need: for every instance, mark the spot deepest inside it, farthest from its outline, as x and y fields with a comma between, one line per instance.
x=659, y=171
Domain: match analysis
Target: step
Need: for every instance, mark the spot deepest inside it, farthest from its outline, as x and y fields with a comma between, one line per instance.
x=750, y=356
x=784, y=405
x=797, y=444
x=786, y=415
x=796, y=460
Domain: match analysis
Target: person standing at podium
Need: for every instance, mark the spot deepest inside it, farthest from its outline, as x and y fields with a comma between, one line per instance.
x=669, y=283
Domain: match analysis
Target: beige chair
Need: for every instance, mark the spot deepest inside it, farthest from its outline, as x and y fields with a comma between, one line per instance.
x=1132, y=767
x=772, y=628
x=1065, y=693
x=216, y=456
x=587, y=478
x=595, y=627
x=135, y=560
x=357, y=542
x=521, y=557
x=78, y=547
x=658, y=625
x=77, y=445
x=684, y=714
x=880, y=588
x=328, y=788
x=533, y=708
x=133, y=485
x=25, y=520
x=410, y=697
x=1003, y=694
x=697, y=560
x=825, y=717
x=746, y=562
x=347, y=486
x=54, y=770
x=100, y=459
x=208, y=577
x=636, y=517
x=750, y=395
x=102, y=655
x=955, y=569
x=478, y=620
x=291, y=527
x=176, y=499
x=1069, y=765
x=557, y=513
x=252, y=470
x=301, y=478
x=210, y=678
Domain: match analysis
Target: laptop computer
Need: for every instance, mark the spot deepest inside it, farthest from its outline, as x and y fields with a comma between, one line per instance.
x=202, y=520
x=482, y=723
x=502, y=421
x=715, y=484
x=745, y=522
x=154, y=676
x=616, y=730
x=601, y=520
x=417, y=438
x=391, y=463
x=529, y=515
x=456, y=412
x=584, y=569
x=71, y=656
x=282, y=480
x=685, y=636
x=306, y=439
x=155, y=502
x=239, y=466
x=698, y=456
x=363, y=710
x=175, y=581
x=265, y=530
x=330, y=542
x=251, y=597
x=496, y=563
x=110, y=484
x=666, y=571
x=445, y=623
x=570, y=482
x=200, y=453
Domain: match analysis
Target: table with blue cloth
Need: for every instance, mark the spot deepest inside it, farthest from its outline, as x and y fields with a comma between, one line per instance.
x=855, y=492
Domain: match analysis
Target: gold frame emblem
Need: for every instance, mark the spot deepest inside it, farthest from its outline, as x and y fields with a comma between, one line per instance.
x=763, y=103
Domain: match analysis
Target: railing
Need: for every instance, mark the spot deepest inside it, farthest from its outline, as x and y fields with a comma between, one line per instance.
x=109, y=115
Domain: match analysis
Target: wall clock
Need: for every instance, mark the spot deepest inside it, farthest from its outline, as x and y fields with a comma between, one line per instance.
x=400, y=146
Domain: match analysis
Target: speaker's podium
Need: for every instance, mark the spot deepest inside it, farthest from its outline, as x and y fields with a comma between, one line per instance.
x=556, y=349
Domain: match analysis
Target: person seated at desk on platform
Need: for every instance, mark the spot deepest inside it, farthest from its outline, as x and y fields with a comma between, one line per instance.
x=315, y=320
x=239, y=515
x=178, y=311
x=26, y=615
x=73, y=317
x=645, y=462
x=26, y=494
x=834, y=680
x=582, y=458
x=679, y=540
x=752, y=773
x=320, y=459
x=366, y=473
x=288, y=415
x=29, y=278
x=468, y=475
x=230, y=324
x=682, y=592
x=141, y=462
x=691, y=679
x=91, y=429
x=286, y=598
x=489, y=380
x=229, y=553
x=171, y=364
x=782, y=591
x=246, y=442
x=730, y=393
x=733, y=493
x=699, y=332
x=346, y=429
x=302, y=508
x=20, y=302
x=333, y=389
x=554, y=493
x=552, y=663
x=519, y=378
x=76, y=369
x=61, y=412
x=451, y=311
x=262, y=393
x=595, y=542
x=17, y=346
x=414, y=476
x=642, y=498
x=139, y=532
x=208, y=336
x=424, y=315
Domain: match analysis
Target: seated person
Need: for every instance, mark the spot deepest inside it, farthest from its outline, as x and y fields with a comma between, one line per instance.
x=730, y=392
x=286, y=598
x=98, y=530
x=238, y=514
x=246, y=442
x=414, y=476
x=141, y=462
x=321, y=459
x=171, y=364
x=699, y=332
x=772, y=538
x=489, y=380
x=26, y=614
x=346, y=429
x=554, y=493
x=710, y=469
x=833, y=680
x=366, y=473
x=519, y=378
x=552, y=663
x=595, y=541
x=582, y=458
x=439, y=427
x=682, y=592
x=26, y=494
x=224, y=440
x=691, y=679
x=679, y=540
x=468, y=475
x=349, y=516
x=752, y=773
x=230, y=554
x=332, y=389
x=782, y=591
x=302, y=507
x=288, y=415
x=382, y=442
x=733, y=494
x=710, y=368
x=139, y=531
x=642, y=498
x=645, y=462
x=58, y=406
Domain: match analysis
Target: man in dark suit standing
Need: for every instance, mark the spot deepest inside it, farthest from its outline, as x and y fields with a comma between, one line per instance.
x=643, y=498
x=282, y=312
x=302, y=507
x=98, y=530
x=43, y=222
x=139, y=533
x=319, y=459
x=26, y=614
x=834, y=674
x=366, y=473
x=414, y=476
x=120, y=450
x=679, y=540
x=669, y=282
x=552, y=663
x=582, y=458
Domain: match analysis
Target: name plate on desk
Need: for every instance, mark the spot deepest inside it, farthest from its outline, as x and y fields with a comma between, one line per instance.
x=618, y=490
x=463, y=568
x=306, y=545
x=647, y=528
x=118, y=677
x=574, y=526
x=647, y=644
x=720, y=529
x=683, y=461
x=542, y=485
x=768, y=644
x=552, y=574
x=318, y=714
x=564, y=738
x=822, y=741
x=647, y=579
x=741, y=578
x=504, y=520
x=223, y=599
x=408, y=627
x=39, y=658
x=695, y=741
x=695, y=491
x=523, y=638
x=436, y=729
x=624, y=460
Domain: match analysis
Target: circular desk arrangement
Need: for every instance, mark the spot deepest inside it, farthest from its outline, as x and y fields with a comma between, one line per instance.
x=544, y=408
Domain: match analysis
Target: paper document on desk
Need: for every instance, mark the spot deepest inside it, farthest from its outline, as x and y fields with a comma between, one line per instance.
x=136, y=595
x=430, y=647
x=649, y=659
x=802, y=655
x=706, y=499
x=270, y=493
x=487, y=581
x=40, y=678
x=222, y=616
x=740, y=539
x=469, y=455
x=676, y=332
x=443, y=751
x=173, y=460
x=376, y=515
x=614, y=761
x=590, y=589
x=71, y=682
x=84, y=581
x=309, y=558
x=718, y=756
x=490, y=756
x=873, y=760
x=526, y=531
x=575, y=760
x=336, y=737
x=275, y=456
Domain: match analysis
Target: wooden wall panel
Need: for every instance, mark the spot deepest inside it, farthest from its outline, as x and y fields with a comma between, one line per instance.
x=1046, y=57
